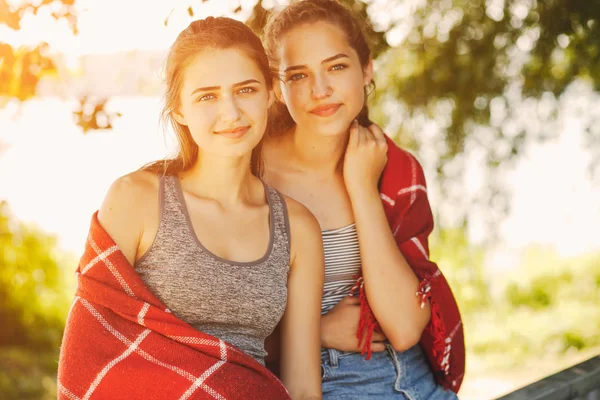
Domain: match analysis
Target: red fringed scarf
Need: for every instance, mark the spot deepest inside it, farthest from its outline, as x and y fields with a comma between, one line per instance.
x=404, y=195
x=121, y=342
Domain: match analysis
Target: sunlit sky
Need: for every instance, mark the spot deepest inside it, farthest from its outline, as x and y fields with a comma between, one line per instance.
x=553, y=202
x=117, y=25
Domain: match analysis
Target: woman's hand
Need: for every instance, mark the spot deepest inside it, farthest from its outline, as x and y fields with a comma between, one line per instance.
x=339, y=326
x=365, y=158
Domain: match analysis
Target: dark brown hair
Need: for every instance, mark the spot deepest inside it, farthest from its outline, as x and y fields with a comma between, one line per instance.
x=306, y=12
x=216, y=33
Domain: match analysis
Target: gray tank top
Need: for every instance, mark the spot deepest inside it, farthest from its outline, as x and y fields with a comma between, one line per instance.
x=239, y=302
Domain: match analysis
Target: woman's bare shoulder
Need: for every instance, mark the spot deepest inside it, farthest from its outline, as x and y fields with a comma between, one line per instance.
x=305, y=231
x=130, y=203
x=132, y=191
x=300, y=215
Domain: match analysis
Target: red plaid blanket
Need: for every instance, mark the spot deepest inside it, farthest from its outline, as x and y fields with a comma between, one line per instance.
x=121, y=342
x=404, y=195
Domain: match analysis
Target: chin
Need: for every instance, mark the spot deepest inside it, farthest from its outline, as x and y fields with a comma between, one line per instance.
x=334, y=128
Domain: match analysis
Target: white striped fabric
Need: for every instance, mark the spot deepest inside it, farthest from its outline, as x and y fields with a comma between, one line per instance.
x=342, y=263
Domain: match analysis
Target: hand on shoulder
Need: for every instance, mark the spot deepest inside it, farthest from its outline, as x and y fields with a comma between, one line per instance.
x=365, y=158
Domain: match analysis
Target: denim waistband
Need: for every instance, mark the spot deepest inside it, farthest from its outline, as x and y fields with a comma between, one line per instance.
x=388, y=374
x=332, y=355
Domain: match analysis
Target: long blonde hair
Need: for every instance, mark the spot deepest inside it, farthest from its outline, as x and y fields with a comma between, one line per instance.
x=216, y=33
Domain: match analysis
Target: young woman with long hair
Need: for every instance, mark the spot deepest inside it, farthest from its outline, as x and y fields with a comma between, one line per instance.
x=394, y=332
x=192, y=261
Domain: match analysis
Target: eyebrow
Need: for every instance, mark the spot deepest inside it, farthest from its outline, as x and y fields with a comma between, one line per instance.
x=210, y=88
x=296, y=67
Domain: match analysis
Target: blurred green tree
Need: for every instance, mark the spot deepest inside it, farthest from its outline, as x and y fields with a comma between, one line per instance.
x=35, y=293
x=547, y=307
x=21, y=68
x=33, y=287
x=463, y=265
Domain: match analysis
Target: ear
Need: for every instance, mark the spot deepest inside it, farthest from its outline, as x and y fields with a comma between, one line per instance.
x=179, y=118
x=368, y=72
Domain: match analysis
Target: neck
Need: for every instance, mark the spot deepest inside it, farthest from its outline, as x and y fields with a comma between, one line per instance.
x=225, y=179
x=318, y=152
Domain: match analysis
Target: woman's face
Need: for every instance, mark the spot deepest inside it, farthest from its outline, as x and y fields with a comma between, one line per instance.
x=322, y=78
x=224, y=101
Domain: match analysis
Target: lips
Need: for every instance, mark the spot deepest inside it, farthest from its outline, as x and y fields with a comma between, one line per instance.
x=325, y=110
x=234, y=133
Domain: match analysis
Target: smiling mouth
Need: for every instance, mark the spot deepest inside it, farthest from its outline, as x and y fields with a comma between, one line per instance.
x=233, y=133
x=325, y=110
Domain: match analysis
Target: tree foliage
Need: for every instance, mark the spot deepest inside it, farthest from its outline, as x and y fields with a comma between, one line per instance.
x=36, y=288
x=21, y=68
x=469, y=54
x=463, y=266
x=489, y=74
x=546, y=308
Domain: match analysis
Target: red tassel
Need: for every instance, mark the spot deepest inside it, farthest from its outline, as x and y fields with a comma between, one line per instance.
x=439, y=334
x=439, y=350
x=367, y=323
x=424, y=292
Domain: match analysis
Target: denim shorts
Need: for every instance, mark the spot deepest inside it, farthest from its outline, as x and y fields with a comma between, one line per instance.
x=387, y=375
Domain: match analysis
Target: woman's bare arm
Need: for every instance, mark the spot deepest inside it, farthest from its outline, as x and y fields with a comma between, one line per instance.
x=300, y=326
x=390, y=282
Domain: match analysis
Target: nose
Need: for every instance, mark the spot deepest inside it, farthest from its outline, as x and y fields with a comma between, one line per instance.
x=229, y=110
x=321, y=88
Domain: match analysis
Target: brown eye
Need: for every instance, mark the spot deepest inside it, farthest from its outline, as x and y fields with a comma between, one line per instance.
x=246, y=90
x=207, y=97
x=339, y=67
x=296, y=77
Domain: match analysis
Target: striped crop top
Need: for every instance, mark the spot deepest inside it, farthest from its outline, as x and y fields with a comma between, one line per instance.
x=342, y=264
